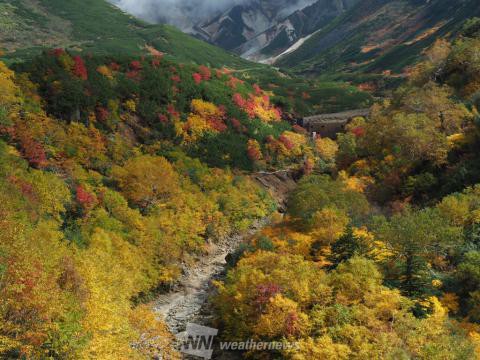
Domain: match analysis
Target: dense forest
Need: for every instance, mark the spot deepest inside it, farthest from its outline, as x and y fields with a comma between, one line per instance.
x=379, y=254
x=116, y=172
x=113, y=175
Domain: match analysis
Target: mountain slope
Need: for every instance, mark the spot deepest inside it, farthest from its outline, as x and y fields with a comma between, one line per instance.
x=96, y=27
x=244, y=22
x=379, y=35
x=27, y=26
x=292, y=29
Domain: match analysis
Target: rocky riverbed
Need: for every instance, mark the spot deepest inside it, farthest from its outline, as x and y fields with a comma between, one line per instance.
x=185, y=303
x=188, y=302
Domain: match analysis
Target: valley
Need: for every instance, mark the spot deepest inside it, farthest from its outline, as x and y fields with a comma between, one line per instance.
x=321, y=201
x=328, y=36
x=188, y=301
x=190, y=296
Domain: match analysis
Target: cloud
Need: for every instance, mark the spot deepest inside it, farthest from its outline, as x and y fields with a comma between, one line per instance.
x=182, y=13
x=186, y=13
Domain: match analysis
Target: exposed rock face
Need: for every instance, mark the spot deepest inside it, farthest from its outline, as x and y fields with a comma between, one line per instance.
x=241, y=23
x=298, y=26
x=279, y=184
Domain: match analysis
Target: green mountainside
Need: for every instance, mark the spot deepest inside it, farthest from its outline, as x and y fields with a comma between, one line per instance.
x=95, y=26
x=379, y=35
x=28, y=27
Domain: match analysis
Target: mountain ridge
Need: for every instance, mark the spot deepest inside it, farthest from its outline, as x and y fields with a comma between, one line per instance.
x=241, y=23
x=98, y=27
x=289, y=31
x=379, y=35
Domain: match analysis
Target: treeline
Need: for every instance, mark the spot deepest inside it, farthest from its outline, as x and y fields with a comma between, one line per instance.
x=379, y=254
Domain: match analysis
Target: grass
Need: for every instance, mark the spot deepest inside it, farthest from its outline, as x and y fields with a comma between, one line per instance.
x=338, y=47
x=97, y=27
x=311, y=96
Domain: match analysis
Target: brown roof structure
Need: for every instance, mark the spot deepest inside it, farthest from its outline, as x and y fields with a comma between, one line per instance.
x=328, y=125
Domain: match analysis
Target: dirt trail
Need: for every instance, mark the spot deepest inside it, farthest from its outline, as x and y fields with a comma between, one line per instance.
x=185, y=303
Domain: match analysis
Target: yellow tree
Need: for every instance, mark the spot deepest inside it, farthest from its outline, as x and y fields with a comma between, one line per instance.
x=327, y=149
x=147, y=180
x=9, y=93
x=111, y=269
x=205, y=117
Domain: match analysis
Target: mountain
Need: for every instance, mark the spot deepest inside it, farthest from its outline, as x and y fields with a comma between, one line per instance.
x=95, y=26
x=291, y=32
x=244, y=22
x=336, y=36
x=378, y=35
x=227, y=23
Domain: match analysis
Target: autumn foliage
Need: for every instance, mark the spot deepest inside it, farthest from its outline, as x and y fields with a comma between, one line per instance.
x=93, y=220
x=79, y=68
x=118, y=175
x=377, y=256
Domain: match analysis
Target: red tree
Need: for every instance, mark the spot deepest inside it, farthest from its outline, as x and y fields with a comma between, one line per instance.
x=58, y=52
x=197, y=78
x=33, y=151
x=114, y=66
x=264, y=293
x=79, y=68
x=172, y=111
x=135, y=65
x=163, y=118
x=102, y=114
x=292, y=324
x=205, y=72
x=287, y=142
x=84, y=198
x=358, y=131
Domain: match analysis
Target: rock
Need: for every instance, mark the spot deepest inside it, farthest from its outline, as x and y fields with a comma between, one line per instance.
x=188, y=302
x=279, y=184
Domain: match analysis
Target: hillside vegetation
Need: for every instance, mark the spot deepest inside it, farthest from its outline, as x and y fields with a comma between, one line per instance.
x=122, y=166
x=118, y=172
x=375, y=36
x=114, y=174
x=379, y=253
x=95, y=26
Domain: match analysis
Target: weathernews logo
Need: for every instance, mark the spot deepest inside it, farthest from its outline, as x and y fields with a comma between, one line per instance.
x=198, y=341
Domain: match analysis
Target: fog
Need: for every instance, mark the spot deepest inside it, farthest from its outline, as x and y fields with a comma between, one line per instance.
x=182, y=13
x=186, y=13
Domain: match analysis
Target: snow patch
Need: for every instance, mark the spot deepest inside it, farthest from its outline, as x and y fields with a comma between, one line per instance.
x=296, y=46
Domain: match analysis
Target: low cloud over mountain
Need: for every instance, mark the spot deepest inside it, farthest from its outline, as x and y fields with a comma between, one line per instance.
x=185, y=14
x=181, y=13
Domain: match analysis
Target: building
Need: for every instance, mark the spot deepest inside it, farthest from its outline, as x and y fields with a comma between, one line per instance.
x=328, y=125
